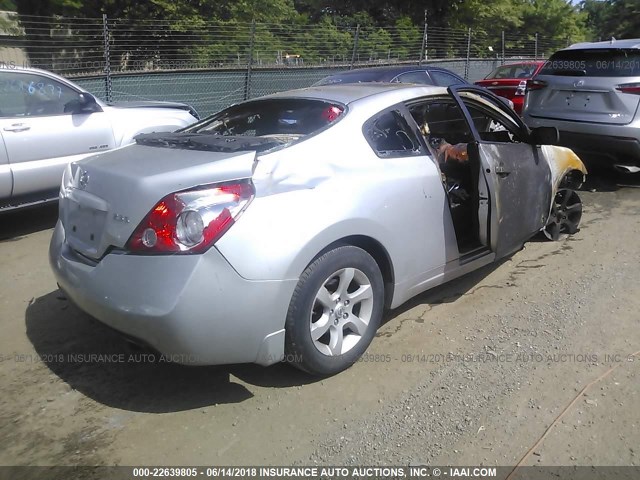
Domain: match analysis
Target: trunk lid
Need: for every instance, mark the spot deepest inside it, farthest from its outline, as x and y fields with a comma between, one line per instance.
x=504, y=87
x=581, y=86
x=109, y=194
x=155, y=104
x=583, y=99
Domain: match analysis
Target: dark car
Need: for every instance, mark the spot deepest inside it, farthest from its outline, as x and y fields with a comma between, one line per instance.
x=422, y=75
x=510, y=81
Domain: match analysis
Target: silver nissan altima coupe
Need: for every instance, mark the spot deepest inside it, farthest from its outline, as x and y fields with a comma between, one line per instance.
x=282, y=227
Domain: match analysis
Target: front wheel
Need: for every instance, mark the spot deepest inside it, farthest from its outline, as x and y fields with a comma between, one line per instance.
x=335, y=311
x=566, y=214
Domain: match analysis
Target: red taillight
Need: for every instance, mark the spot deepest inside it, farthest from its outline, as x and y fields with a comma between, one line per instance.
x=191, y=221
x=633, y=88
x=535, y=85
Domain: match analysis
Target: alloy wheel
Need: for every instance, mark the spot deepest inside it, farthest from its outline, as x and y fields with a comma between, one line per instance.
x=341, y=311
x=566, y=214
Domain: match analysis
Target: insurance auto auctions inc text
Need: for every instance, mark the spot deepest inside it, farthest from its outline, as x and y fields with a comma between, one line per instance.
x=373, y=472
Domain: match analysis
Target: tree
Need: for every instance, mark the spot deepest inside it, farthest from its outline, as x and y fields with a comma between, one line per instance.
x=8, y=5
x=596, y=13
x=213, y=32
x=612, y=18
x=487, y=16
x=268, y=11
x=554, y=20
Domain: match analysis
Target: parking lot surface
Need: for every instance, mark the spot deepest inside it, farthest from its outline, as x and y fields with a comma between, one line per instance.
x=533, y=360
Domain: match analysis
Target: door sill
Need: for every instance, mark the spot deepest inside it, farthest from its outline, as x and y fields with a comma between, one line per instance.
x=474, y=254
x=29, y=200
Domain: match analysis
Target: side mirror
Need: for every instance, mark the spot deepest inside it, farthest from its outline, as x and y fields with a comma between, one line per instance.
x=544, y=136
x=85, y=103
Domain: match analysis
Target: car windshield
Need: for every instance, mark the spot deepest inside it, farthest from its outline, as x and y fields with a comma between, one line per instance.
x=598, y=62
x=257, y=125
x=522, y=70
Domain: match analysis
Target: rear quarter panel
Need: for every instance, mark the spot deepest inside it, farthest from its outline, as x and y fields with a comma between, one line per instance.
x=332, y=186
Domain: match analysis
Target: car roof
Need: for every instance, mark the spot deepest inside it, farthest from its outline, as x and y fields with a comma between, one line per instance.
x=348, y=93
x=386, y=73
x=613, y=43
x=46, y=73
x=24, y=69
x=394, y=69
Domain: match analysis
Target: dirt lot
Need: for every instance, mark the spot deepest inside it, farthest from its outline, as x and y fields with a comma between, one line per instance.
x=471, y=373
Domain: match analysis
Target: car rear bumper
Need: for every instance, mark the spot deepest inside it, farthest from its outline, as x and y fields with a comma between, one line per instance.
x=597, y=143
x=603, y=148
x=194, y=309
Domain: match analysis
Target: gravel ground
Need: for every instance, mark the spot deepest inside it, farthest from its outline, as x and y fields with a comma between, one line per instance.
x=565, y=313
x=473, y=372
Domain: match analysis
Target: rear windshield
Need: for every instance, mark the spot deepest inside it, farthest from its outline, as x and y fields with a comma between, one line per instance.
x=521, y=70
x=273, y=117
x=259, y=125
x=594, y=63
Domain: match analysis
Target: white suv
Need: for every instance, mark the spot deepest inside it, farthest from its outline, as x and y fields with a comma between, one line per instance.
x=47, y=121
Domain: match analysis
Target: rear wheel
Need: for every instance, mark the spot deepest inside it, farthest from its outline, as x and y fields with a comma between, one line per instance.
x=566, y=214
x=335, y=311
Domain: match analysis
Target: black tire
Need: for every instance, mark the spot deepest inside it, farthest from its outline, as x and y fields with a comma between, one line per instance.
x=566, y=214
x=300, y=348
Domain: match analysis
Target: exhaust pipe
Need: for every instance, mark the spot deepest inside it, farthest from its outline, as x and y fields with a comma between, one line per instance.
x=627, y=168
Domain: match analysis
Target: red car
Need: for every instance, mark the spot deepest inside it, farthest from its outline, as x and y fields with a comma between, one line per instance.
x=510, y=81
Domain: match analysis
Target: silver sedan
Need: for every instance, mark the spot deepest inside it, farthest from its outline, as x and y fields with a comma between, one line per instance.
x=282, y=227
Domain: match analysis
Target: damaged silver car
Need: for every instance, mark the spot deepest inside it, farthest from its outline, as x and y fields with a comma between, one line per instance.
x=282, y=227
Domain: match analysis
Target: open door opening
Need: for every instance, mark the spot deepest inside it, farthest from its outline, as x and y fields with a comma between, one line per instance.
x=451, y=142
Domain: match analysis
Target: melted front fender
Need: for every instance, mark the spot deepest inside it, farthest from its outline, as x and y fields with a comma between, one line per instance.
x=561, y=161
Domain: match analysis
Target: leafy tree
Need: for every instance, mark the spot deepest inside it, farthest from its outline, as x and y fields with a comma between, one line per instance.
x=612, y=18
x=325, y=41
x=407, y=38
x=596, y=13
x=625, y=19
x=324, y=29
x=374, y=44
x=8, y=5
x=554, y=20
x=268, y=11
x=488, y=15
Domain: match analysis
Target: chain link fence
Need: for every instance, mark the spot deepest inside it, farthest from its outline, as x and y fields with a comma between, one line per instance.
x=214, y=64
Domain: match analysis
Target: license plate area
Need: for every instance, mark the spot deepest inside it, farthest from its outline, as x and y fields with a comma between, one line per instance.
x=593, y=101
x=84, y=226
